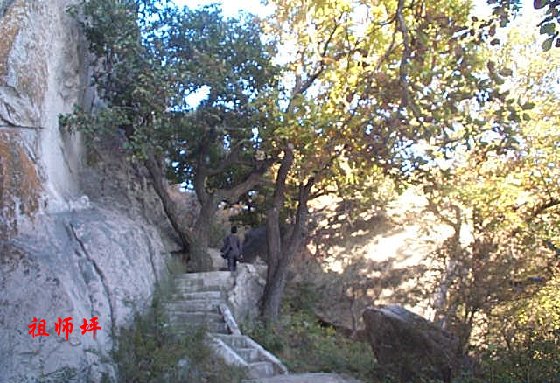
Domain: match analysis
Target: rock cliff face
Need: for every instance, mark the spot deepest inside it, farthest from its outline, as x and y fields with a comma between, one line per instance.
x=75, y=241
x=94, y=262
x=383, y=257
x=43, y=73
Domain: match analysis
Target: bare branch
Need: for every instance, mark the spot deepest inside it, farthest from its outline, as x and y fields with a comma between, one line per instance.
x=401, y=24
x=456, y=225
x=231, y=159
x=540, y=209
x=311, y=78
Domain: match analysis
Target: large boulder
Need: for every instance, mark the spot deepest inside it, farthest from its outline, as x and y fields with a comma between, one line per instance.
x=409, y=347
x=255, y=244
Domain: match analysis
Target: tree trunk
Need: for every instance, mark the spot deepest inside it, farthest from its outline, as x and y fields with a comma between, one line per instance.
x=280, y=255
x=275, y=280
x=201, y=261
x=203, y=224
x=158, y=179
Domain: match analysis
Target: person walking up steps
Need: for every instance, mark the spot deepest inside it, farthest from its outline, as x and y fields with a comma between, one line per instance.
x=231, y=250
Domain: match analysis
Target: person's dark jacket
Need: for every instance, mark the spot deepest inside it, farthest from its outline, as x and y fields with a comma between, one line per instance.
x=231, y=247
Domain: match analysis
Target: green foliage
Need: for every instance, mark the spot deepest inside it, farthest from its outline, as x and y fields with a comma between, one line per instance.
x=498, y=189
x=102, y=124
x=149, y=353
x=365, y=99
x=130, y=81
x=538, y=361
x=305, y=346
x=304, y=300
x=215, y=146
x=150, y=57
x=527, y=350
x=405, y=94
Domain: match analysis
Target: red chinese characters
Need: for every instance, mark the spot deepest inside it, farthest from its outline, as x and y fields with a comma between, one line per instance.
x=92, y=326
x=64, y=325
x=38, y=328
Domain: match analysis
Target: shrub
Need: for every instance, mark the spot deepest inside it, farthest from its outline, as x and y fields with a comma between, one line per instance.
x=306, y=346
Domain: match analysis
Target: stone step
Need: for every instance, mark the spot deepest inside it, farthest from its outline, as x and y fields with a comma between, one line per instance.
x=197, y=295
x=317, y=377
x=219, y=279
x=201, y=287
x=248, y=354
x=212, y=327
x=204, y=284
x=236, y=341
x=239, y=344
x=192, y=305
x=186, y=320
x=177, y=317
x=196, y=303
x=261, y=369
x=204, y=274
x=208, y=278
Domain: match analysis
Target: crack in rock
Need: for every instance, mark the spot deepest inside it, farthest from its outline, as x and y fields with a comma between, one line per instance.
x=101, y=277
x=152, y=252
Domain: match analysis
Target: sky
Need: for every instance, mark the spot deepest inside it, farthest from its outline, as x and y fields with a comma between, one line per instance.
x=232, y=7
x=229, y=7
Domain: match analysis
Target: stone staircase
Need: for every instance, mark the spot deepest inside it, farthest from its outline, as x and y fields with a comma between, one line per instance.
x=196, y=302
x=242, y=351
x=201, y=300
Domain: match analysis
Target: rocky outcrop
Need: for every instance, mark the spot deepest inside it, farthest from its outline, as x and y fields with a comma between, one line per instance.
x=386, y=255
x=246, y=290
x=113, y=180
x=245, y=296
x=255, y=244
x=409, y=347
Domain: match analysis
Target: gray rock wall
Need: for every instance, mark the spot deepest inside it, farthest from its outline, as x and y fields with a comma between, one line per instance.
x=82, y=264
x=75, y=241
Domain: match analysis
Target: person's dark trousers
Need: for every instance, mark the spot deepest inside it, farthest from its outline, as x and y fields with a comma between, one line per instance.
x=231, y=263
